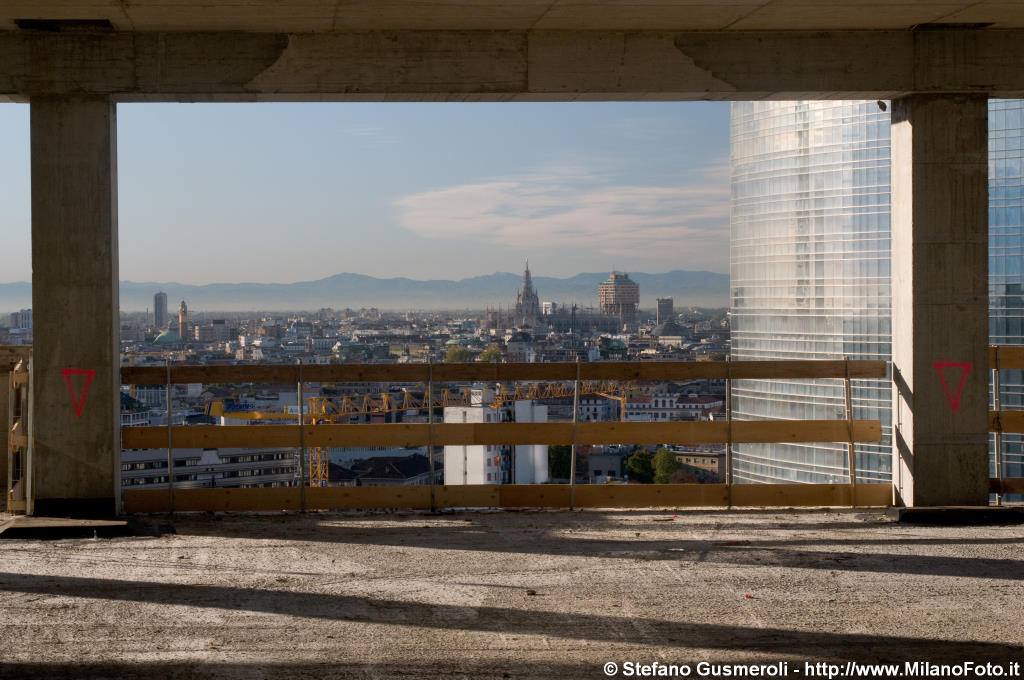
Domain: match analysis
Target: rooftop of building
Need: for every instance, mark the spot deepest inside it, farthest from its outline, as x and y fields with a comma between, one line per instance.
x=619, y=278
x=508, y=594
x=392, y=467
x=670, y=329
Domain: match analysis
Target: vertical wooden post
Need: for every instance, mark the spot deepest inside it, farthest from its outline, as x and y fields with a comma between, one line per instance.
x=303, y=477
x=728, y=427
x=850, y=446
x=575, y=436
x=430, y=429
x=170, y=440
x=996, y=386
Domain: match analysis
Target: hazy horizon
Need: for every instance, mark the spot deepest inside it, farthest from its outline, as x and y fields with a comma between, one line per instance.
x=400, y=293
x=533, y=274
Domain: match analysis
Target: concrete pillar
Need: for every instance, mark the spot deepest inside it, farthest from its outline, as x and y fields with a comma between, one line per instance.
x=75, y=464
x=940, y=299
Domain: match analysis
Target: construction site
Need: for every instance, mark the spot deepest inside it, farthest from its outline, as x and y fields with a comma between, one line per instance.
x=508, y=595
x=907, y=553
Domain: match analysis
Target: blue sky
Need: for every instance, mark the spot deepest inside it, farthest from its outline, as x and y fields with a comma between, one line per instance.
x=293, y=192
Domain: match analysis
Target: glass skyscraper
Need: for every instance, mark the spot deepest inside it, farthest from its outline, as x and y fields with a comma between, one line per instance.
x=810, y=270
x=1006, y=257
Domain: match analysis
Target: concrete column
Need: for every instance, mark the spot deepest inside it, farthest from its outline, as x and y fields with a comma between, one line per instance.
x=75, y=464
x=940, y=299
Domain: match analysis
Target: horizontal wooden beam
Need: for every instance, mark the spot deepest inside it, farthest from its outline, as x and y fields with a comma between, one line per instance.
x=11, y=355
x=262, y=373
x=368, y=497
x=261, y=436
x=1006, y=421
x=509, y=496
x=467, y=434
x=488, y=372
x=1006, y=357
x=213, y=500
x=810, y=495
x=534, y=495
x=651, y=495
x=1006, y=485
x=1002, y=357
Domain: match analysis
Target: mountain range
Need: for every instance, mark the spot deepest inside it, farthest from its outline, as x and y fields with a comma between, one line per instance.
x=358, y=290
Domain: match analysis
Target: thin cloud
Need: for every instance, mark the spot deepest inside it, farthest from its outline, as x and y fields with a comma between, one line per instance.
x=373, y=136
x=560, y=209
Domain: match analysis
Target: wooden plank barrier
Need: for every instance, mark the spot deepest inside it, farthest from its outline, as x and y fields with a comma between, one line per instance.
x=1006, y=421
x=484, y=372
x=468, y=434
x=1006, y=485
x=652, y=495
x=611, y=496
x=368, y=497
x=1005, y=358
x=456, y=434
x=534, y=495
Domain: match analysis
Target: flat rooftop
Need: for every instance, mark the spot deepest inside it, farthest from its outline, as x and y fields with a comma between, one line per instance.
x=508, y=594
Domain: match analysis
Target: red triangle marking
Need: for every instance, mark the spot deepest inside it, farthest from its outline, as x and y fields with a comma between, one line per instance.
x=939, y=365
x=89, y=375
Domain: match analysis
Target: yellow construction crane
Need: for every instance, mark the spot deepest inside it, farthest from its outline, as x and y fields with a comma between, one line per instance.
x=317, y=456
x=216, y=409
x=332, y=409
x=609, y=389
x=323, y=410
x=335, y=408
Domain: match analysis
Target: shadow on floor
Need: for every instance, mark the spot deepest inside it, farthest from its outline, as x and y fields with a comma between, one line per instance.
x=815, y=644
x=653, y=541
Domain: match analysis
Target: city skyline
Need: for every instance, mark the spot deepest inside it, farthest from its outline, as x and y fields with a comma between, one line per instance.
x=699, y=288
x=219, y=192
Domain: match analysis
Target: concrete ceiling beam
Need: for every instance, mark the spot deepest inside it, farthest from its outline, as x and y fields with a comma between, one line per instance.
x=510, y=65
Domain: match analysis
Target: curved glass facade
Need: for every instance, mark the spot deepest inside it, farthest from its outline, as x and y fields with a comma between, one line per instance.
x=810, y=271
x=1006, y=257
x=810, y=274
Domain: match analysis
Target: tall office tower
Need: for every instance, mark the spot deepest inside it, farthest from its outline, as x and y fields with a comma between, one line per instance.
x=184, y=331
x=527, y=302
x=810, y=270
x=666, y=310
x=22, y=319
x=160, y=310
x=619, y=297
x=1006, y=258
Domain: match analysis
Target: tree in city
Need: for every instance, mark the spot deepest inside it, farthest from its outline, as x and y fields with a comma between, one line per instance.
x=559, y=461
x=665, y=464
x=639, y=465
x=492, y=353
x=687, y=476
x=457, y=355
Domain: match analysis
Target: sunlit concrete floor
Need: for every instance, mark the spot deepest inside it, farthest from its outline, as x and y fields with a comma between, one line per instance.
x=507, y=594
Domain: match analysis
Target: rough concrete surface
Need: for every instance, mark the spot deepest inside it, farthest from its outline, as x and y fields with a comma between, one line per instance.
x=507, y=594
